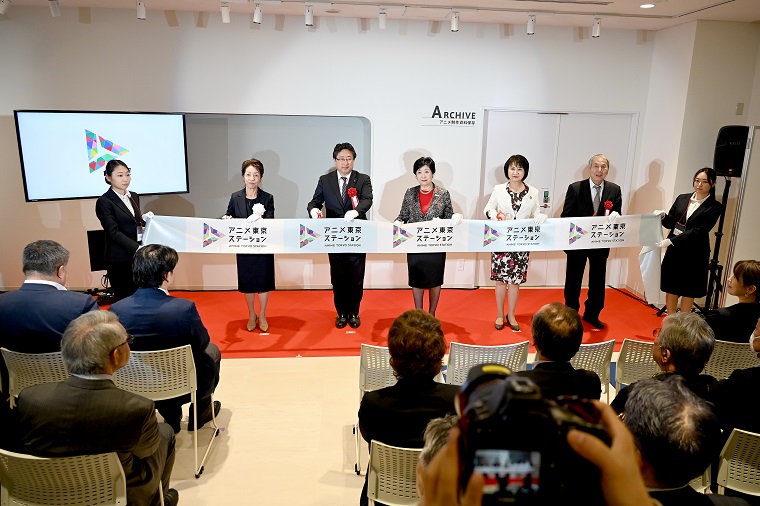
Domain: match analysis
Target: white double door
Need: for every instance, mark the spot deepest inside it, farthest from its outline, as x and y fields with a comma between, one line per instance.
x=558, y=147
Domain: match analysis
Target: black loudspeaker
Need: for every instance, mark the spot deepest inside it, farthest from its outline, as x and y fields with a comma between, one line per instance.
x=729, y=150
x=96, y=244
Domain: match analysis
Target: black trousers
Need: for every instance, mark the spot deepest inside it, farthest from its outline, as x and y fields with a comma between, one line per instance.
x=597, y=274
x=347, y=277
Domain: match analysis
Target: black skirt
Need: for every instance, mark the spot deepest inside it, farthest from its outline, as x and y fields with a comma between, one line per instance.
x=425, y=269
x=255, y=273
x=684, y=272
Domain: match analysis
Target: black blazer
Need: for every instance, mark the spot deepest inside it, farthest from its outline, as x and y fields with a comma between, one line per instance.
x=237, y=208
x=560, y=378
x=734, y=323
x=328, y=193
x=120, y=226
x=734, y=400
x=696, y=233
x=579, y=200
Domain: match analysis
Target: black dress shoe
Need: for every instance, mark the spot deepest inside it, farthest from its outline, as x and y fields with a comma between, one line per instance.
x=171, y=497
x=594, y=322
x=204, y=417
x=341, y=321
x=354, y=321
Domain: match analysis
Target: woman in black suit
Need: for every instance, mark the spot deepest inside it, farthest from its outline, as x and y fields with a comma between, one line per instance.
x=426, y=202
x=119, y=213
x=685, y=266
x=255, y=271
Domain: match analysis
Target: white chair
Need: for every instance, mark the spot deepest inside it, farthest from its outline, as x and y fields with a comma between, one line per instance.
x=88, y=480
x=375, y=372
x=463, y=357
x=27, y=369
x=392, y=476
x=702, y=482
x=166, y=374
x=739, y=467
x=596, y=357
x=635, y=362
x=728, y=357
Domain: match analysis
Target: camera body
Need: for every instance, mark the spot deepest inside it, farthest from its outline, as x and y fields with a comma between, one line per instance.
x=517, y=440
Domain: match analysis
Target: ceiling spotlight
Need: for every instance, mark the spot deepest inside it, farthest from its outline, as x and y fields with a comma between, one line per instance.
x=4, y=6
x=381, y=19
x=225, y=12
x=531, y=24
x=55, y=9
x=257, y=14
x=596, y=28
x=454, y=21
x=309, y=15
x=141, y=10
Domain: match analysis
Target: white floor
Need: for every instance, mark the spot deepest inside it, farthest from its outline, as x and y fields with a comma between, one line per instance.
x=286, y=439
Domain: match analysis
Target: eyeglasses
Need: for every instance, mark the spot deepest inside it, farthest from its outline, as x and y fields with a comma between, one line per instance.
x=345, y=159
x=130, y=339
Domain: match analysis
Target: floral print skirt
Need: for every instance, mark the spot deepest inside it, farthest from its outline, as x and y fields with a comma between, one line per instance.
x=510, y=267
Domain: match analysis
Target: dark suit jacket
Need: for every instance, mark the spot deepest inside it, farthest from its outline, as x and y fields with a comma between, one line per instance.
x=703, y=385
x=579, y=199
x=82, y=417
x=159, y=322
x=733, y=402
x=440, y=206
x=328, y=193
x=560, y=378
x=237, y=208
x=120, y=226
x=696, y=233
x=734, y=323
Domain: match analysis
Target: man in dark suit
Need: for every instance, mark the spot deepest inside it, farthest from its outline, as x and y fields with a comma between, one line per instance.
x=34, y=317
x=88, y=414
x=334, y=191
x=557, y=335
x=397, y=415
x=590, y=197
x=159, y=321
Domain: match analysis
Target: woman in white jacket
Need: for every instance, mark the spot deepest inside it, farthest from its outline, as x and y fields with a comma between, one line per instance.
x=513, y=200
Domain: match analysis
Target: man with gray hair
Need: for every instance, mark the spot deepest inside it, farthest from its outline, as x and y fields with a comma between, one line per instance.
x=681, y=347
x=88, y=414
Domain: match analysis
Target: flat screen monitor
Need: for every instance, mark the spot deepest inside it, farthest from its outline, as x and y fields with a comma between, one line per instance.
x=64, y=153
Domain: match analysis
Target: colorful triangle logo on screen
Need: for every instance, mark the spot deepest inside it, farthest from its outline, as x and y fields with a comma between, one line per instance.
x=490, y=235
x=307, y=235
x=210, y=234
x=576, y=233
x=400, y=235
x=113, y=150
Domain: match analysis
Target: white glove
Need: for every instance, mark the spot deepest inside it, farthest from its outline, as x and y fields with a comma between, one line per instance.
x=540, y=218
x=351, y=215
x=315, y=214
x=664, y=243
x=398, y=223
x=456, y=219
x=659, y=213
x=148, y=216
x=226, y=217
x=613, y=216
x=253, y=217
x=491, y=214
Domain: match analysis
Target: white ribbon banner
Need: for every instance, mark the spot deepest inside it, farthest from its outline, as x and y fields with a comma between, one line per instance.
x=203, y=235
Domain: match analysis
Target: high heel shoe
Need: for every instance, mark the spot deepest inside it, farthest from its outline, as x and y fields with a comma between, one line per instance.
x=263, y=325
x=250, y=326
x=499, y=323
x=515, y=327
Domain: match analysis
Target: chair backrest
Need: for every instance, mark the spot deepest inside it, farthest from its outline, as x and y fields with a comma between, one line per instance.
x=375, y=369
x=87, y=480
x=392, y=477
x=27, y=369
x=635, y=362
x=739, y=467
x=728, y=357
x=463, y=357
x=160, y=374
x=595, y=357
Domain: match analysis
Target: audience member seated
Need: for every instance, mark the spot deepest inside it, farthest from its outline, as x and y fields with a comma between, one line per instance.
x=734, y=323
x=88, y=414
x=436, y=435
x=397, y=415
x=682, y=346
x=557, y=335
x=34, y=317
x=159, y=321
x=677, y=435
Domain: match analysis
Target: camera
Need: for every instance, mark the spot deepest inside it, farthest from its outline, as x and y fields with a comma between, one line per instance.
x=517, y=440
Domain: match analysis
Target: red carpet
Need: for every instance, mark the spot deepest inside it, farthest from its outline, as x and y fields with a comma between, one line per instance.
x=301, y=323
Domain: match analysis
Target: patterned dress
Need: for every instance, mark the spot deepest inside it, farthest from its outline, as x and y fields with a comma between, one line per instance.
x=511, y=267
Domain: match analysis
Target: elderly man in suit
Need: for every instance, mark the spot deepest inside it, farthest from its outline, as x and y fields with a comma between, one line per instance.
x=34, y=317
x=557, y=335
x=159, y=321
x=335, y=190
x=590, y=197
x=88, y=414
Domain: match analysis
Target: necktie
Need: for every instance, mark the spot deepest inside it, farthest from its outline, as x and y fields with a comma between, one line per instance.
x=343, y=188
x=597, y=197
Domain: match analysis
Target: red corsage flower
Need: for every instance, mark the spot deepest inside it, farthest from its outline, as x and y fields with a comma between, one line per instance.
x=352, y=193
x=608, y=205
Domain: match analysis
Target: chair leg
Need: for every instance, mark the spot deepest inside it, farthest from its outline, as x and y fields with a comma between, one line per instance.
x=195, y=432
x=199, y=468
x=161, y=491
x=358, y=464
